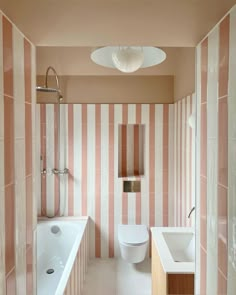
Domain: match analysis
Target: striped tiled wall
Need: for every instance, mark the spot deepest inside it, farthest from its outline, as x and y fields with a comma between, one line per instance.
x=89, y=148
x=184, y=161
x=216, y=146
x=17, y=111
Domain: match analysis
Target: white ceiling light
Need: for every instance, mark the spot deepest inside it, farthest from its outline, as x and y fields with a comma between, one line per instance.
x=128, y=59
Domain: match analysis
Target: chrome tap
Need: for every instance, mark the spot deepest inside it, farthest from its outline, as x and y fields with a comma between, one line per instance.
x=191, y=211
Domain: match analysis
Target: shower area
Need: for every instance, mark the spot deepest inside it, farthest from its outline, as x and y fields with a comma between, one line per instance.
x=52, y=148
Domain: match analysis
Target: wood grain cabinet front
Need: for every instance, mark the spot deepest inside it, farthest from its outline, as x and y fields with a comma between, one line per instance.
x=169, y=283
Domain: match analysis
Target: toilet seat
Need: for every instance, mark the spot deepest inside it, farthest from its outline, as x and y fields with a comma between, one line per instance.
x=132, y=235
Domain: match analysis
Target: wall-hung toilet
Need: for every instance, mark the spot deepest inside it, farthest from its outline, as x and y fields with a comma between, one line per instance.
x=133, y=240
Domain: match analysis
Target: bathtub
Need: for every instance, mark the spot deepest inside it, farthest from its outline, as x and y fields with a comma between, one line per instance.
x=62, y=255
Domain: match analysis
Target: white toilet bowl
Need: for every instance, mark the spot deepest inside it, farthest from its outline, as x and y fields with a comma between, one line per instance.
x=133, y=240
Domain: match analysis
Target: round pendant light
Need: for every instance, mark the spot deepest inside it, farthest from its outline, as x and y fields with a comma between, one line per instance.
x=128, y=59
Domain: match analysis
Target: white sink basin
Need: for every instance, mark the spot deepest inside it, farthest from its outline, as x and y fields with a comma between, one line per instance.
x=181, y=246
x=176, y=248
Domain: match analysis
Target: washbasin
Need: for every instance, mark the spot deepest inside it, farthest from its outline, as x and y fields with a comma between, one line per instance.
x=181, y=245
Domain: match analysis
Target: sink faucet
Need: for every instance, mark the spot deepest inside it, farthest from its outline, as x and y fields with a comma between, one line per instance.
x=191, y=211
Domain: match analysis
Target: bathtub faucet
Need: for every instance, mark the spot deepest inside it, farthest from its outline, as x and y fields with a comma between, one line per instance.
x=191, y=211
x=60, y=172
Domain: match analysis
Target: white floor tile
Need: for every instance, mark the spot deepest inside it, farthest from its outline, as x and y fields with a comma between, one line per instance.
x=117, y=277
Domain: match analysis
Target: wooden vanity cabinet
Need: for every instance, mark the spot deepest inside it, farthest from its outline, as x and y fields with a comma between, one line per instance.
x=169, y=284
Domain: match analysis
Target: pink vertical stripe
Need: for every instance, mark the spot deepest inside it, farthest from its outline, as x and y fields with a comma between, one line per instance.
x=111, y=180
x=138, y=113
x=152, y=166
x=222, y=193
x=124, y=195
x=84, y=159
x=56, y=159
x=136, y=150
x=165, y=162
x=29, y=270
x=71, y=160
x=43, y=155
x=98, y=183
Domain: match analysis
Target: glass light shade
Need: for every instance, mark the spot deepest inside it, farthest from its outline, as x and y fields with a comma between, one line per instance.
x=128, y=59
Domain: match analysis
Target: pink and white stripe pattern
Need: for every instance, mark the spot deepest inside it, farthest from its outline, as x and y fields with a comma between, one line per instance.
x=216, y=68
x=184, y=161
x=17, y=183
x=89, y=148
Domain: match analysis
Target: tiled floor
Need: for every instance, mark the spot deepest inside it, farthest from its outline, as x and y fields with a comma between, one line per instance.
x=117, y=277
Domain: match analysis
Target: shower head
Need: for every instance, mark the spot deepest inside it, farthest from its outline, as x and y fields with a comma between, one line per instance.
x=49, y=89
x=46, y=89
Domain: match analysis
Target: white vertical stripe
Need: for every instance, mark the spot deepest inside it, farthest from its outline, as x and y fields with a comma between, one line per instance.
x=35, y=150
x=183, y=127
x=158, y=164
x=130, y=150
x=175, y=163
x=231, y=158
x=171, y=167
x=104, y=179
x=117, y=184
x=198, y=160
x=77, y=159
x=63, y=158
x=188, y=159
x=212, y=163
x=91, y=172
x=178, y=159
x=141, y=148
x=145, y=181
x=130, y=156
x=193, y=159
x=50, y=158
x=19, y=165
x=38, y=165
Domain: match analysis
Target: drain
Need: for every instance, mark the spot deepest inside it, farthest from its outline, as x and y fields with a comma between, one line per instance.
x=50, y=271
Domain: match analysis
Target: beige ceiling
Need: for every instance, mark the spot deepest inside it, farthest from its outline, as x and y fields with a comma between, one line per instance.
x=76, y=61
x=169, y=23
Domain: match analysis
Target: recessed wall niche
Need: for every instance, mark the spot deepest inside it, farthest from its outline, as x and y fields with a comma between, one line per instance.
x=131, y=150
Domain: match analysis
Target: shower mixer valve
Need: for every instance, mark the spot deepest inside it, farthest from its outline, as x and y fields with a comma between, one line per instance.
x=60, y=172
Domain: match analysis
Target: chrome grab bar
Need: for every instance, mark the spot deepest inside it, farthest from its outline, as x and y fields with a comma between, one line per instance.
x=60, y=172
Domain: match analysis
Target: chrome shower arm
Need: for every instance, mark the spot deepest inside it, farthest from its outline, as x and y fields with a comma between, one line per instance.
x=56, y=77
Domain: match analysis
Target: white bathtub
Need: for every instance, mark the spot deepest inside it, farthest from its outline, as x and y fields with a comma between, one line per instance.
x=58, y=247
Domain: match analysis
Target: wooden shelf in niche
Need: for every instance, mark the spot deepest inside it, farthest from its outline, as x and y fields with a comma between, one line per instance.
x=131, y=150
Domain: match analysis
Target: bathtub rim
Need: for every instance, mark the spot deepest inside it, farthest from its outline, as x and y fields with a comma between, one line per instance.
x=72, y=256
